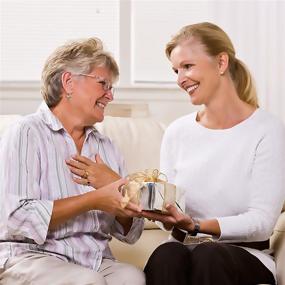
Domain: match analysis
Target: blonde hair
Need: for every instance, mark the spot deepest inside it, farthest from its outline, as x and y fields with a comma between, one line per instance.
x=76, y=57
x=216, y=41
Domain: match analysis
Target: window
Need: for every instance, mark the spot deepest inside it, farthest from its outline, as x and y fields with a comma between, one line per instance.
x=31, y=30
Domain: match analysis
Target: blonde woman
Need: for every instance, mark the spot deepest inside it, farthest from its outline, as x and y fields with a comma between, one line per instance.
x=229, y=159
x=53, y=230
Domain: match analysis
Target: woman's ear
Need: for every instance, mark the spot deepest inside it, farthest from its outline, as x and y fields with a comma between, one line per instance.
x=223, y=62
x=67, y=82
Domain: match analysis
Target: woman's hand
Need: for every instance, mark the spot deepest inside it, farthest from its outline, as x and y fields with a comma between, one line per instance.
x=109, y=198
x=171, y=218
x=96, y=174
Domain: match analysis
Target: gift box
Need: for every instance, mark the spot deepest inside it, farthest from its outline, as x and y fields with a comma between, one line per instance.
x=150, y=190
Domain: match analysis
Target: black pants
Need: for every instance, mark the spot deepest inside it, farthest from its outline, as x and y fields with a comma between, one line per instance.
x=207, y=264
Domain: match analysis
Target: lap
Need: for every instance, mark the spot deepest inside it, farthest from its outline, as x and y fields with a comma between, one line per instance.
x=116, y=273
x=37, y=268
x=40, y=268
x=208, y=259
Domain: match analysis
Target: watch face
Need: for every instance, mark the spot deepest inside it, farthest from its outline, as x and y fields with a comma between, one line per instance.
x=196, y=229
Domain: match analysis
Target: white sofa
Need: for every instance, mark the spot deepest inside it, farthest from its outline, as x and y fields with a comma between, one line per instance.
x=139, y=140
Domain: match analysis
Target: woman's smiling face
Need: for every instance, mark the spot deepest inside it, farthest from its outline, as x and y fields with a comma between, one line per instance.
x=91, y=96
x=197, y=72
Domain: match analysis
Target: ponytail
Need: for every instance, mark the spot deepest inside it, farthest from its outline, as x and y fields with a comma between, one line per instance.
x=243, y=82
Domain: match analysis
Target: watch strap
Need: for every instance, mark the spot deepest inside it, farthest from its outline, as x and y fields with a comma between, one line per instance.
x=196, y=229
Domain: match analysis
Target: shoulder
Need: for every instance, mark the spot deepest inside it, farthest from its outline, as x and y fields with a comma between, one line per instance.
x=269, y=133
x=269, y=124
x=26, y=125
x=31, y=121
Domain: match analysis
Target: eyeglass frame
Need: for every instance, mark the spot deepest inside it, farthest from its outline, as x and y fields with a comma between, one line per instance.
x=107, y=86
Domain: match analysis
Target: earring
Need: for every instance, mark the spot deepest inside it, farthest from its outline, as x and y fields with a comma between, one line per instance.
x=222, y=73
x=68, y=96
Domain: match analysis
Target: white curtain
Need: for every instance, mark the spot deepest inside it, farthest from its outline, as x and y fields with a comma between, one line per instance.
x=255, y=27
x=31, y=29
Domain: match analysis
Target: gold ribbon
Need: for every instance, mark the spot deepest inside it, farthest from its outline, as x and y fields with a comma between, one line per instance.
x=131, y=191
x=149, y=175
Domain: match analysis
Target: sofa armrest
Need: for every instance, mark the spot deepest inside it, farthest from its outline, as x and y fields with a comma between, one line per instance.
x=277, y=244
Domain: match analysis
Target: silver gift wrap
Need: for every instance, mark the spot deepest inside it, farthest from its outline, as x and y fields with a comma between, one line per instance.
x=154, y=196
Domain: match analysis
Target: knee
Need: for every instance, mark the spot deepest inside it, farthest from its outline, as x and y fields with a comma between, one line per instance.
x=213, y=263
x=169, y=264
x=83, y=276
x=170, y=254
x=89, y=277
x=132, y=275
x=136, y=276
x=211, y=254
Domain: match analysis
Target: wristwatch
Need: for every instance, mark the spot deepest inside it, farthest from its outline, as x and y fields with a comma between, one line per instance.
x=196, y=229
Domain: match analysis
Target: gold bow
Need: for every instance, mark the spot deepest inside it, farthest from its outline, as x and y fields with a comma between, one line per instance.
x=131, y=191
x=149, y=175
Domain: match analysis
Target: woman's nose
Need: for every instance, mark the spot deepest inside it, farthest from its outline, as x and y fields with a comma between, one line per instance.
x=109, y=94
x=181, y=78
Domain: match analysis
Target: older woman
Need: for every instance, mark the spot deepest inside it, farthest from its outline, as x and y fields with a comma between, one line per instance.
x=229, y=160
x=55, y=231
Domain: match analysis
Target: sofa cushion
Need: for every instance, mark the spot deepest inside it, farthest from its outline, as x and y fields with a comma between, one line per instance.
x=138, y=139
x=280, y=225
x=138, y=253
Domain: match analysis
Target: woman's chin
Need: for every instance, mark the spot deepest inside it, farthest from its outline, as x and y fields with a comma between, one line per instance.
x=94, y=119
x=99, y=120
x=196, y=101
x=98, y=115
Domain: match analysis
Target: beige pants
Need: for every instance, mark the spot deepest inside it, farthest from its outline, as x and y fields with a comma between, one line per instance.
x=42, y=269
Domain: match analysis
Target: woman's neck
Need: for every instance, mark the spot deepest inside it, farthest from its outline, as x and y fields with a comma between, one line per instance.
x=230, y=117
x=225, y=111
x=72, y=124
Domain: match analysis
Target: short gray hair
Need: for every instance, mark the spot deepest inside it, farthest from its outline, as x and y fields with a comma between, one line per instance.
x=77, y=57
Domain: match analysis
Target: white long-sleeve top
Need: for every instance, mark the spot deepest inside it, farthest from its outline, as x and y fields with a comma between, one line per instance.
x=234, y=175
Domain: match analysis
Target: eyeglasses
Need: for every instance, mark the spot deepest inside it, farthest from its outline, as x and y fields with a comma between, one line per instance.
x=107, y=86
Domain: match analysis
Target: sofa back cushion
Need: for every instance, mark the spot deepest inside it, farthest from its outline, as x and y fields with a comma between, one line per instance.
x=138, y=139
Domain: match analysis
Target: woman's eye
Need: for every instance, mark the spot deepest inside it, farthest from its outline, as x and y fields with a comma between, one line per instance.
x=176, y=71
x=188, y=66
x=102, y=82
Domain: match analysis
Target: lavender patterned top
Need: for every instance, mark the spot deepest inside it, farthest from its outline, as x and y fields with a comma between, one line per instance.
x=33, y=174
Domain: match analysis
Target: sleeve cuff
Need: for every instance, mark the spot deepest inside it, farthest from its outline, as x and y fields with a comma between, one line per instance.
x=133, y=234
x=31, y=220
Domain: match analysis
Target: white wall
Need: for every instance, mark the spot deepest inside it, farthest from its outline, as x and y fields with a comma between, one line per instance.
x=164, y=103
x=136, y=32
